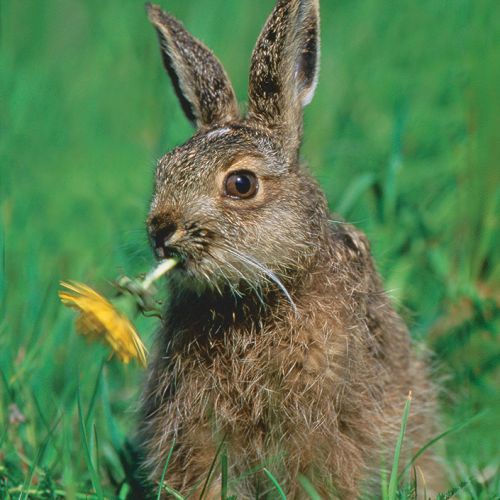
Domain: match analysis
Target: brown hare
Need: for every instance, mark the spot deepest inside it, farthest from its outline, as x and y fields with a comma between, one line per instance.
x=278, y=340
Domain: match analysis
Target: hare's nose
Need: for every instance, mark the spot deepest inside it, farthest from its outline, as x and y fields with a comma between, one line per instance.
x=162, y=235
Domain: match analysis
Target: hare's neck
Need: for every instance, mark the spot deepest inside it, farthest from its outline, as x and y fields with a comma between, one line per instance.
x=210, y=315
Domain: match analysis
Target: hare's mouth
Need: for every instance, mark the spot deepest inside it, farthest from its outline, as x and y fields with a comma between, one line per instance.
x=233, y=270
x=190, y=263
x=167, y=252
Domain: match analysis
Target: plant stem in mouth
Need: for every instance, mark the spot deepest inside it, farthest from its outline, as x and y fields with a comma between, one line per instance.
x=160, y=270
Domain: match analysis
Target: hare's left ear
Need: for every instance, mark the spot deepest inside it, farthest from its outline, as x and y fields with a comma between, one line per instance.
x=200, y=82
x=285, y=67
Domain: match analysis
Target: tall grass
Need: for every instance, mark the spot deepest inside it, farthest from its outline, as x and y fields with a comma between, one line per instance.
x=402, y=134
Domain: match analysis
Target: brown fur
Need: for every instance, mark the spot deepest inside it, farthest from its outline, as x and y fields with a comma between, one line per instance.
x=278, y=339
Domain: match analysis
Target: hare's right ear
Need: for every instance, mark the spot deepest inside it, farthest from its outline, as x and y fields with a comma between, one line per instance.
x=285, y=66
x=200, y=82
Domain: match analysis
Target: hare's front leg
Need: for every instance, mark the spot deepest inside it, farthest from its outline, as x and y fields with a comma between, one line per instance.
x=189, y=466
x=170, y=432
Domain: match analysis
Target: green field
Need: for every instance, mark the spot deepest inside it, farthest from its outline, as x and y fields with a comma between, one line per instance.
x=403, y=135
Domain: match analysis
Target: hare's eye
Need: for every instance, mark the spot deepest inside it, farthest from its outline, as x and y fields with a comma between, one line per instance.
x=241, y=184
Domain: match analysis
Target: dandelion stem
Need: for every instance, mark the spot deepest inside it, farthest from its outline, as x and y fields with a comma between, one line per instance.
x=163, y=268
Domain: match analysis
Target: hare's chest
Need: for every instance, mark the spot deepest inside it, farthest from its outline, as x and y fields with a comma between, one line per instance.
x=246, y=386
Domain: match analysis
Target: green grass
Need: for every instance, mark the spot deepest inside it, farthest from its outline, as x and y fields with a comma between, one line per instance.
x=402, y=134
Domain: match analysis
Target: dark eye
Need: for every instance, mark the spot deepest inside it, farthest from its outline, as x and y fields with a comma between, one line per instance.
x=241, y=185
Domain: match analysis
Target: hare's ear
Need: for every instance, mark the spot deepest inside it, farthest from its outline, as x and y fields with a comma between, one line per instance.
x=285, y=66
x=200, y=82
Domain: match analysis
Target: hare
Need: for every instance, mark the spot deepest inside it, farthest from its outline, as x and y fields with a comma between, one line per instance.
x=278, y=347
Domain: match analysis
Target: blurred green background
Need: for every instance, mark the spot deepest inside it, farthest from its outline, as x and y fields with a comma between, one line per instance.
x=403, y=135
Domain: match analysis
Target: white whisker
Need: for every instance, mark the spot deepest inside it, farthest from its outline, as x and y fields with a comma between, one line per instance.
x=264, y=270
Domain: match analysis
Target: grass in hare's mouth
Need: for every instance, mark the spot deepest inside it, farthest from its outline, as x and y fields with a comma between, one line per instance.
x=402, y=134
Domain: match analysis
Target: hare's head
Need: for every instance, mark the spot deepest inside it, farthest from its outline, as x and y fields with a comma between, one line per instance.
x=233, y=202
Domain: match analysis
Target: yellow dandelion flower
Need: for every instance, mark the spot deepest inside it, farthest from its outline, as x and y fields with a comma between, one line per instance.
x=103, y=319
x=99, y=319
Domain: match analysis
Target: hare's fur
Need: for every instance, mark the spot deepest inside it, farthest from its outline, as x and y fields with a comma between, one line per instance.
x=278, y=341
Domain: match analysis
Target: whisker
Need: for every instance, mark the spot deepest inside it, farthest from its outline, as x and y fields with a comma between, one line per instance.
x=267, y=272
x=234, y=289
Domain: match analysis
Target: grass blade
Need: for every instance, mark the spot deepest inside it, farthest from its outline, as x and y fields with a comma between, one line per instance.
x=309, y=488
x=169, y=456
x=95, y=394
x=422, y=450
x=86, y=451
x=212, y=467
x=38, y=459
x=114, y=431
x=275, y=483
x=3, y=268
x=393, y=482
x=384, y=484
x=224, y=474
x=354, y=192
x=453, y=491
x=174, y=493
